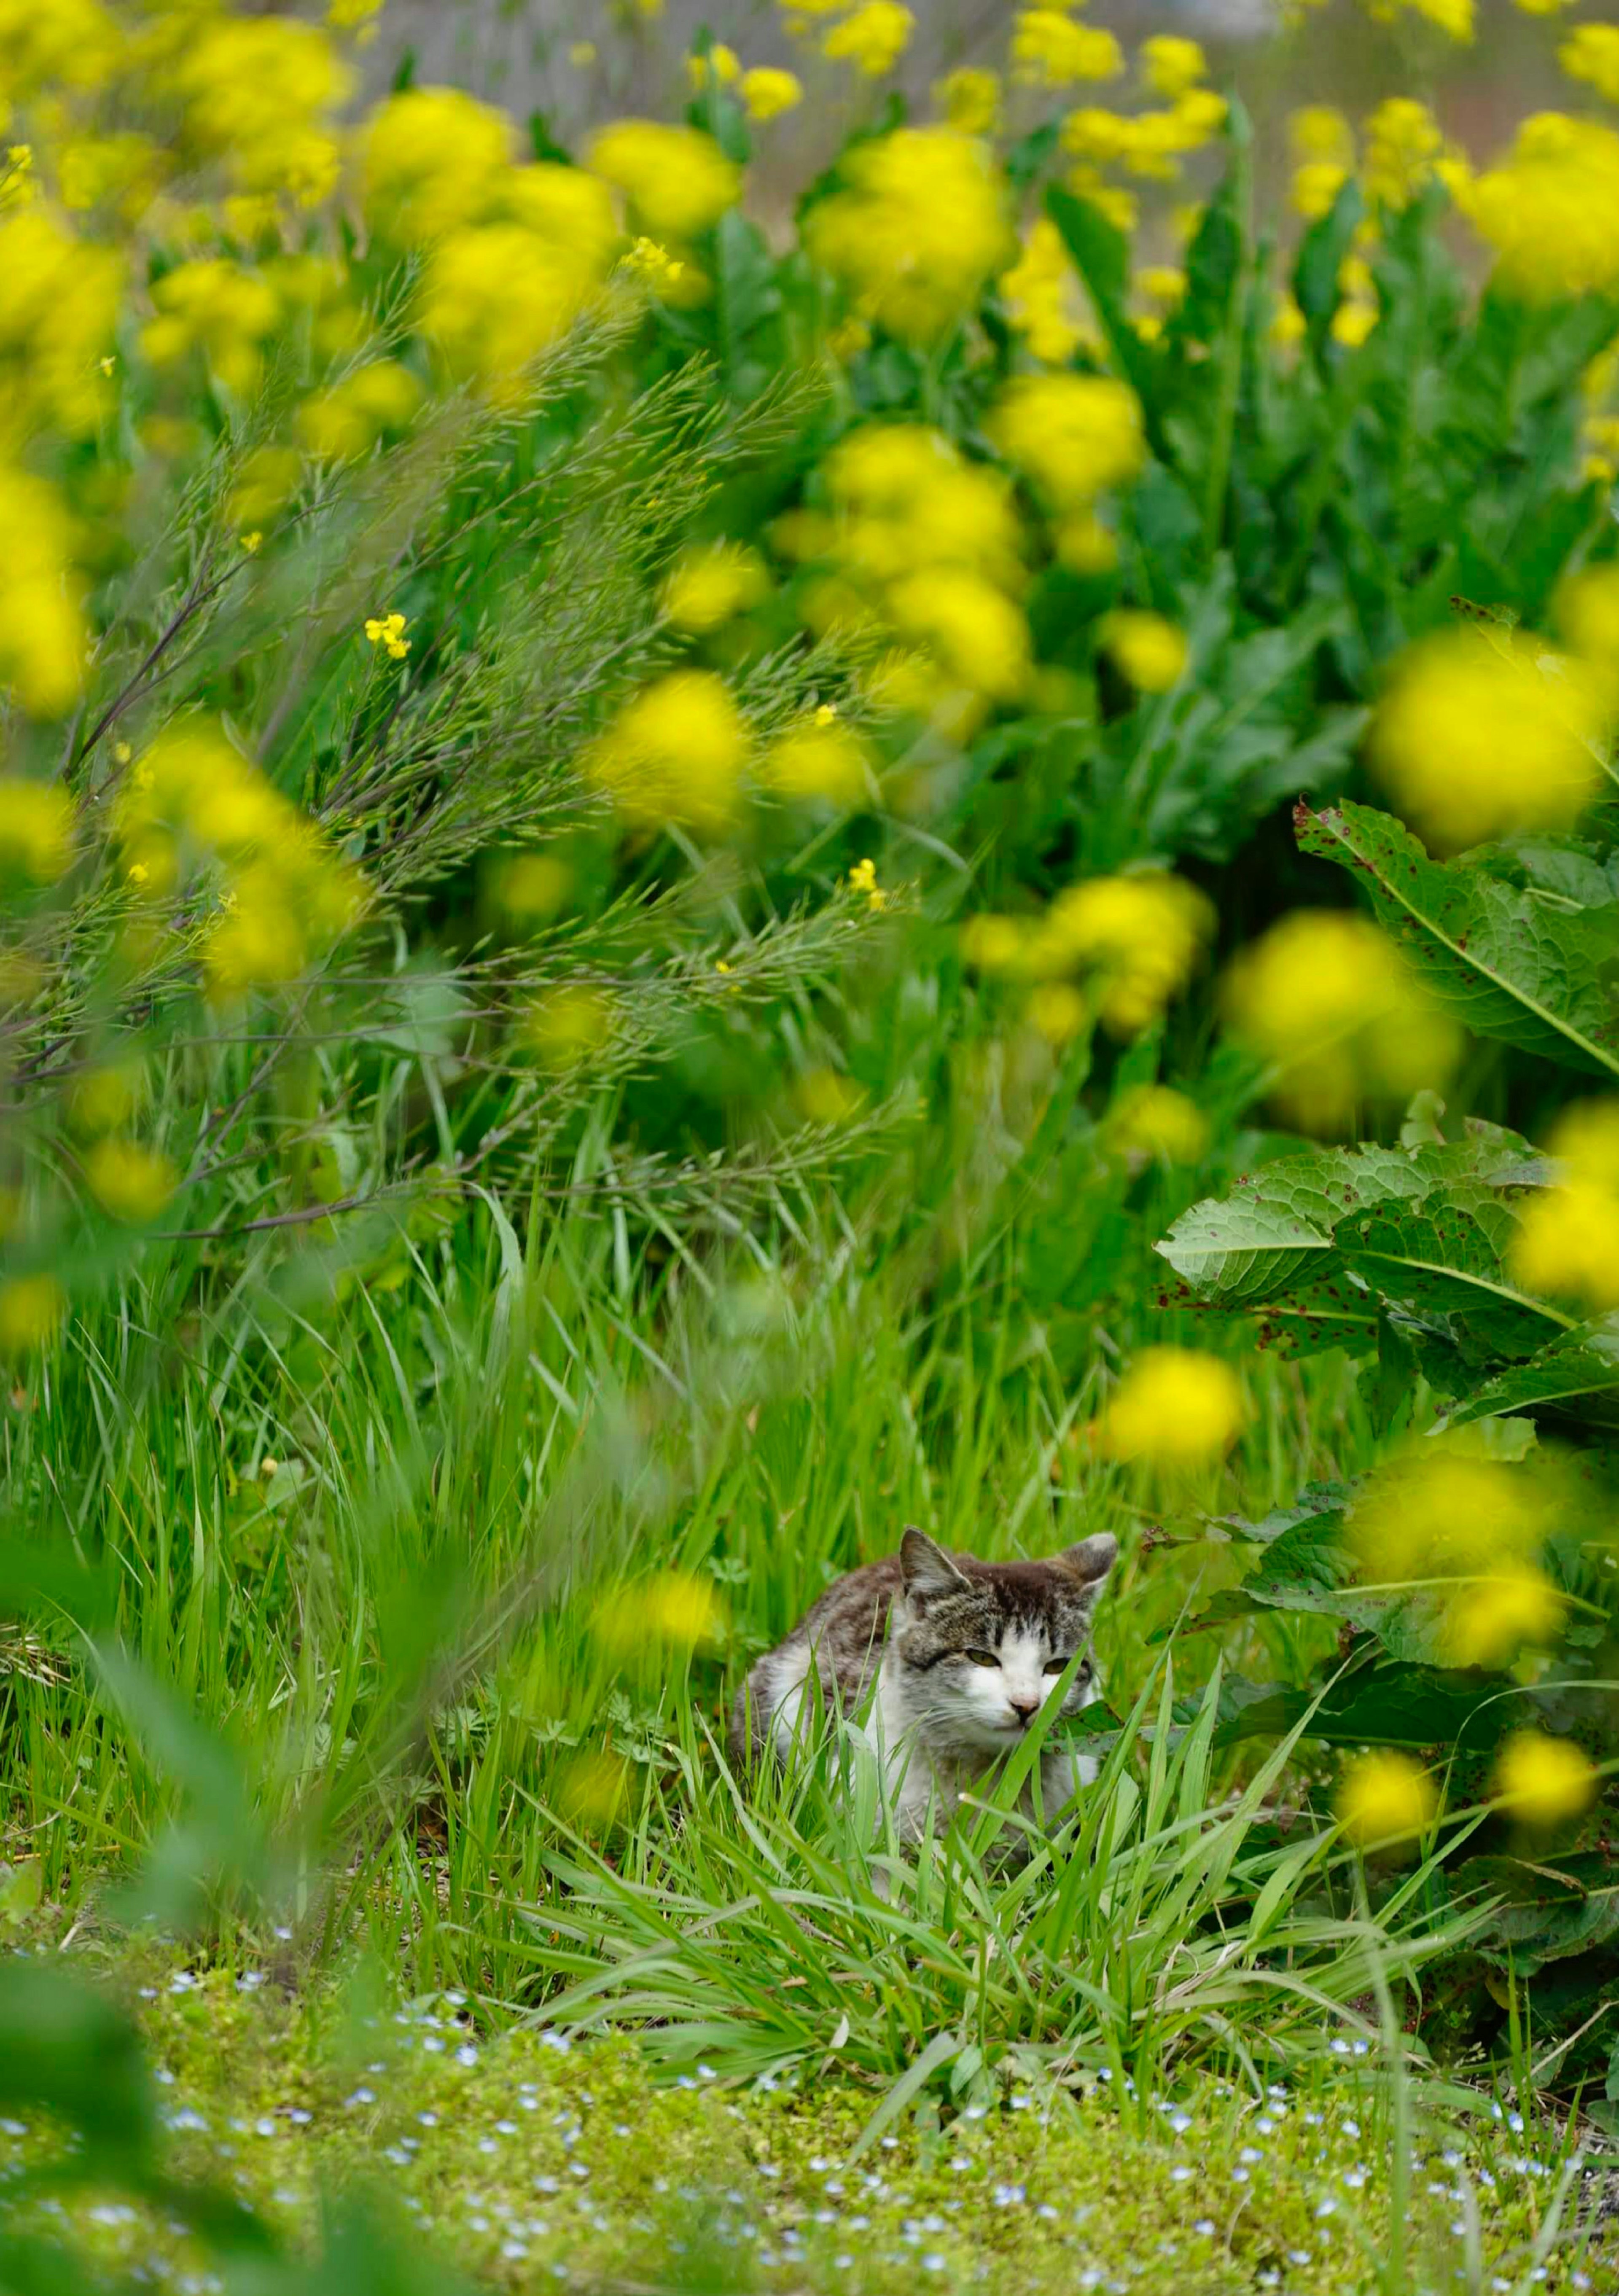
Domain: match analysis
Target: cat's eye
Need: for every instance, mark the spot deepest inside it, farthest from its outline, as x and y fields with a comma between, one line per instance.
x=1054, y=1665
x=982, y=1657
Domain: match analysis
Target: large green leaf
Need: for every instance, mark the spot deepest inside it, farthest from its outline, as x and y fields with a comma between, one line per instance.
x=1576, y=1377
x=1444, y=1258
x=1100, y=253
x=1505, y=960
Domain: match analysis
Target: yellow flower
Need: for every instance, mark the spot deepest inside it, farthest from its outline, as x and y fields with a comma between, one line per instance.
x=1490, y=1619
x=1050, y=50
x=1153, y=1120
x=1043, y=296
x=975, y=631
x=1056, y=1011
x=1448, y=1516
x=31, y=1312
x=1474, y=739
x=1544, y=1781
x=1403, y=143
x=677, y=181
x=1073, y=435
x=1547, y=209
x=581, y=53
x=917, y=230
x=674, y=755
x=722, y=65
x=344, y=422
x=530, y=888
x=873, y=39
x=1138, y=940
x=265, y=483
x=389, y=630
x=497, y=294
x=130, y=1183
x=767, y=92
x=677, y=1609
x=816, y=760
x=1150, y=651
x=36, y=830
x=251, y=543
x=1170, y=66
x=431, y=160
x=970, y=101
x=565, y=1026
x=1327, y=1000
x=823, y=1097
x=1591, y=54
x=1386, y=1797
x=41, y=632
x=863, y=878
x=1174, y=1406
x=707, y=586
x=1566, y=1244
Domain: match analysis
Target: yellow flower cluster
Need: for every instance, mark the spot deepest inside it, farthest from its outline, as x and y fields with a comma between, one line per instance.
x=1384, y=1799
x=1117, y=948
x=1327, y=1000
x=1543, y=1781
x=1149, y=146
x=914, y=231
x=1174, y=1407
x=1044, y=299
x=1568, y=1243
x=1050, y=50
x=707, y=587
x=676, y=1610
x=59, y=303
x=193, y=802
x=36, y=832
x=1547, y=209
x=1465, y=1534
x=258, y=94
x=674, y=755
x=42, y=628
x=1476, y=736
x=676, y=182
x=1590, y=55
x=873, y=38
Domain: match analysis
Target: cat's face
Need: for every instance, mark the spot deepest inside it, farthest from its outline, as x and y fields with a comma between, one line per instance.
x=981, y=1646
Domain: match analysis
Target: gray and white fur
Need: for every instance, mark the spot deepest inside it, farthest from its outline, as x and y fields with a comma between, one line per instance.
x=958, y=1657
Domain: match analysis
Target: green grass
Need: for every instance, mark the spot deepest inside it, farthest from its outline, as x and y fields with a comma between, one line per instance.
x=530, y=2160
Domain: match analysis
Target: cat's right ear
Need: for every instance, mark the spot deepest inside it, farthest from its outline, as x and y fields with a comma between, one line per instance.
x=924, y=1567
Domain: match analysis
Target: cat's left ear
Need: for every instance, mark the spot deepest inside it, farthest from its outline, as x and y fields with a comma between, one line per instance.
x=1090, y=1561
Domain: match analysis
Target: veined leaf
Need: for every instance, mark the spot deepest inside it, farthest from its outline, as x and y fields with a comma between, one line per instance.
x=1446, y=1257
x=1576, y=1377
x=1528, y=971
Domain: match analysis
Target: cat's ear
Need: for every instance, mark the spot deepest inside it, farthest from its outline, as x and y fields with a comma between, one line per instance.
x=1090, y=1561
x=924, y=1567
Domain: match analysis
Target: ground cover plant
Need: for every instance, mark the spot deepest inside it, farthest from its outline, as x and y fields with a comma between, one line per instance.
x=683, y=879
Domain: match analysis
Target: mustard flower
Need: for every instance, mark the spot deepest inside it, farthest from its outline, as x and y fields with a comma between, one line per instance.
x=1386, y=1797
x=708, y=587
x=1150, y=652
x=873, y=38
x=36, y=830
x=677, y=181
x=1171, y=66
x=918, y=230
x=1547, y=209
x=132, y=1184
x=969, y=100
x=767, y=92
x=432, y=160
x=818, y=759
x=1174, y=1407
x=389, y=630
x=43, y=637
x=1544, y=1781
x=1590, y=53
x=32, y=1308
x=673, y=755
x=1049, y=49
x=1073, y=435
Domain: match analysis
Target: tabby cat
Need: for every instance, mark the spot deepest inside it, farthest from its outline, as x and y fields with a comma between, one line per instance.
x=958, y=1656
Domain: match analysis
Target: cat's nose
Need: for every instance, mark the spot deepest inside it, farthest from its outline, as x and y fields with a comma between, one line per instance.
x=1025, y=1708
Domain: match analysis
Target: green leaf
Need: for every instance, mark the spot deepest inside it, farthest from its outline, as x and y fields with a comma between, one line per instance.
x=1532, y=972
x=1575, y=1377
x=1446, y=1257
x=1101, y=256
x=1320, y=258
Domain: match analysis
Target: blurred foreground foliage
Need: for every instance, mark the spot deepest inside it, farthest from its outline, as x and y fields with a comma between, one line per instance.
x=614, y=832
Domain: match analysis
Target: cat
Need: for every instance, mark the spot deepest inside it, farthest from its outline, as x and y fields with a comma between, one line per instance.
x=960, y=1657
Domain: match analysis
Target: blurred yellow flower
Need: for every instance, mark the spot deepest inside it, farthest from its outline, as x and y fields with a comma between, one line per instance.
x=722, y=65
x=1154, y=1120
x=1386, y=1797
x=677, y=1608
x=1171, y=66
x=1056, y=1011
x=767, y=92
x=677, y=181
x=530, y=888
x=1174, y=1407
x=1050, y=50
x=816, y=760
x=1073, y=435
x=674, y=755
x=1137, y=940
x=873, y=38
x=1543, y=1781
x=1490, y=1619
x=826, y=1096
x=430, y=160
x=1150, y=652
x=1567, y=1244
x=1590, y=53
x=1546, y=208
x=36, y=830
x=131, y=1182
x=918, y=230
x=1445, y=1515
x=1044, y=299
x=1474, y=737
x=31, y=1312
x=267, y=480
x=863, y=878
x=1327, y=998
x=970, y=99
x=42, y=631
x=565, y=1026
x=344, y=422
x=708, y=586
